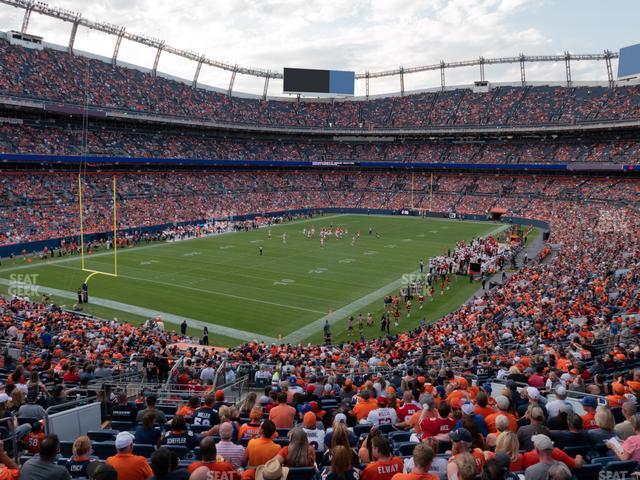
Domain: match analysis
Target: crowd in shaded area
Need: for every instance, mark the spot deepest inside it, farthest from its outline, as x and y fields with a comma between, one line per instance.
x=58, y=76
x=40, y=206
x=413, y=404
x=49, y=139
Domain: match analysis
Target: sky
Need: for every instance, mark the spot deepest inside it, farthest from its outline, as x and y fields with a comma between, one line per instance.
x=358, y=35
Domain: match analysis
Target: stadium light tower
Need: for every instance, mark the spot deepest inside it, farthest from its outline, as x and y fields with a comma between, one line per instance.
x=567, y=66
x=74, y=31
x=116, y=49
x=27, y=15
x=266, y=86
x=155, y=62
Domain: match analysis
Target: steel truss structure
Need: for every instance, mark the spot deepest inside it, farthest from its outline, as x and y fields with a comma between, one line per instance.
x=159, y=46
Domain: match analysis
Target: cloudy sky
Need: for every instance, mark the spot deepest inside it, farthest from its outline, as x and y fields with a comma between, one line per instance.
x=355, y=35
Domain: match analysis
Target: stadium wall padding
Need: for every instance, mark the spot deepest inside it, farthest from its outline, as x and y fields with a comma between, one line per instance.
x=54, y=243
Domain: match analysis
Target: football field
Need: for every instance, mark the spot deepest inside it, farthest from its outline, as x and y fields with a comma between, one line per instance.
x=285, y=294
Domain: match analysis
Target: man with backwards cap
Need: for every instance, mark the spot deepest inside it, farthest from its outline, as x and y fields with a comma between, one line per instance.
x=128, y=465
x=461, y=440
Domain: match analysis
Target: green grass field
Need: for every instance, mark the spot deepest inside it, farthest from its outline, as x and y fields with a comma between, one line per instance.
x=287, y=292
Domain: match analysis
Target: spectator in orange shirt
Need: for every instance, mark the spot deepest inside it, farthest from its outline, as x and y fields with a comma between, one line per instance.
x=423, y=456
x=261, y=450
x=502, y=403
x=8, y=468
x=208, y=452
x=188, y=410
x=252, y=428
x=128, y=465
x=617, y=399
x=282, y=415
x=384, y=466
x=482, y=408
x=589, y=404
x=364, y=405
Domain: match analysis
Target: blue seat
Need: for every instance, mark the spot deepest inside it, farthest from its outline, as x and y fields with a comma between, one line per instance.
x=29, y=420
x=102, y=435
x=386, y=428
x=301, y=473
x=143, y=450
x=404, y=449
x=199, y=428
x=588, y=472
x=121, y=426
x=283, y=442
x=66, y=448
x=577, y=450
x=603, y=460
x=626, y=467
x=362, y=428
x=181, y=452
x=167, y=409
x=104, y=450
x=443, y=447
x=399, y=436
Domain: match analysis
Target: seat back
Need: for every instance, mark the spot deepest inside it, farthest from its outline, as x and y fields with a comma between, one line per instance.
x=588, y=472
x=626, y=467
x=301, y=473
x=104, y=450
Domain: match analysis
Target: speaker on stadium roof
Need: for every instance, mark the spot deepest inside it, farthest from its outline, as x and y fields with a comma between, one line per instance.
x=545, y=235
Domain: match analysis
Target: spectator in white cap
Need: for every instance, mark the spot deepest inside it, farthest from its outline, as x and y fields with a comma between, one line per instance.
x=532, y=396
x=544, y=449
x=128, y=465
x=553, y=407
x=468, y=411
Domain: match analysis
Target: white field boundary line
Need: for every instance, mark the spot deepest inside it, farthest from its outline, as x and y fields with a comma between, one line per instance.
x=355, y=306
x=149, y=313
x=72, y=258
x=203, y=290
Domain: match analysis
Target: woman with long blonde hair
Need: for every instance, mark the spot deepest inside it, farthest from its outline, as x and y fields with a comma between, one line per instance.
x=298, y=453
x=507, y=442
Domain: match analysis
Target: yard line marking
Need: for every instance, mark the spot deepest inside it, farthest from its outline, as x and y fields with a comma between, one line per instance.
x=213, y=292
x=168, y=317
x=145, y=247
x=353, y=307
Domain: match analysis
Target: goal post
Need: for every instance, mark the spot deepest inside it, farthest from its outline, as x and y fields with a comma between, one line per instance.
x=83, y=254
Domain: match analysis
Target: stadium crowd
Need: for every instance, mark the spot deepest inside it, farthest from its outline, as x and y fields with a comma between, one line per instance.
x=40, y=206
x=49, y=139
x=57, y=76
x=565, y=323
x=560, y=335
